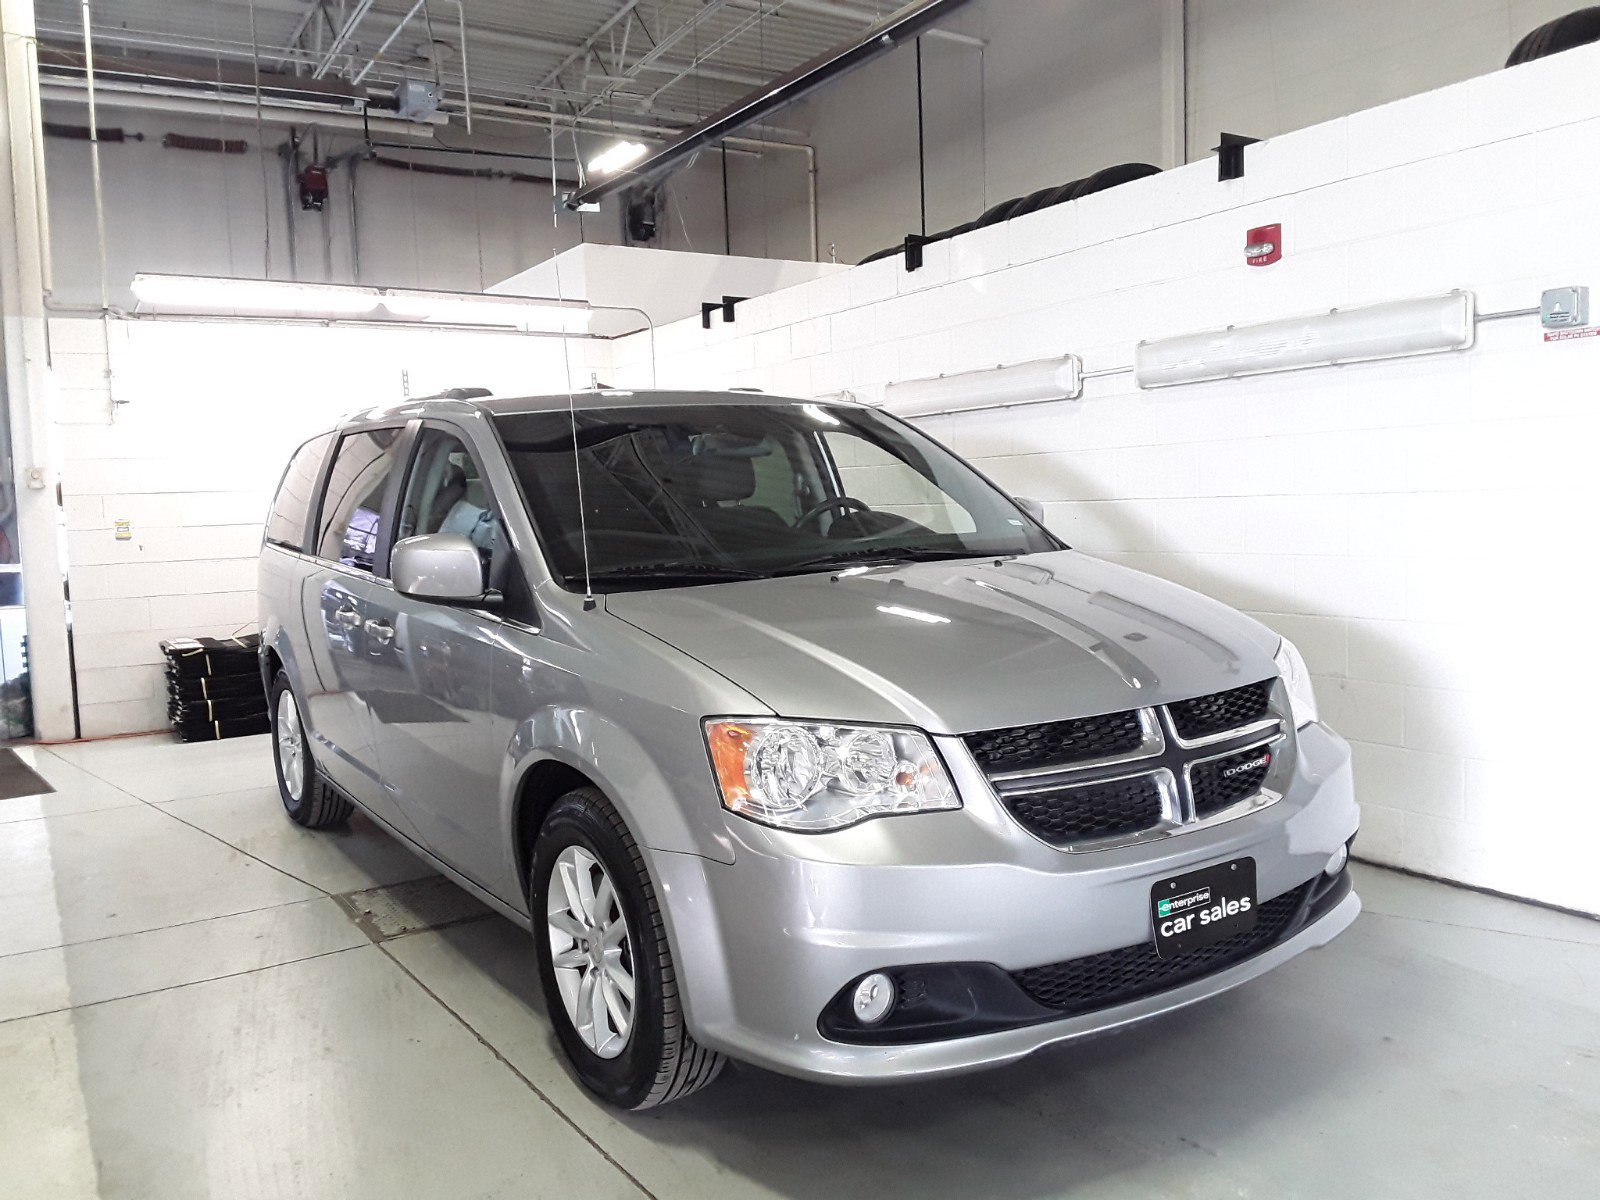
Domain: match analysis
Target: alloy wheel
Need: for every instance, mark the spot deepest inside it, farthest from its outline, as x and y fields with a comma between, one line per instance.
x=591, y=951
x=291, y=746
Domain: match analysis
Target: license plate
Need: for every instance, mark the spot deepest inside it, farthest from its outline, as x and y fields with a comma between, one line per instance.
x=1193, y=911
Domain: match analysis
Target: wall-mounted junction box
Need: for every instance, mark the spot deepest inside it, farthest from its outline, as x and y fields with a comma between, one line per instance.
x=1564, y=308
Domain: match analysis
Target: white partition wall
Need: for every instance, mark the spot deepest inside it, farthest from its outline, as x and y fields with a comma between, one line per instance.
x=1421, y=527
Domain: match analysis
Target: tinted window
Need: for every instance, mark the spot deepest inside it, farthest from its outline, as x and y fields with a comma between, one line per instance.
x=352, y=507
x=286, y=526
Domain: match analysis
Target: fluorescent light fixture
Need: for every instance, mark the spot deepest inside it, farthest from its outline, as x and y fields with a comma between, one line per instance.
x=1398, y=329
x=997, y=387
x=206, y=295
x=252, y=295
x=473, y=308
x=615, y=158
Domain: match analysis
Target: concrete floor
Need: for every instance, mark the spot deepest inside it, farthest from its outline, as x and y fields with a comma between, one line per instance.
x=190, y=1007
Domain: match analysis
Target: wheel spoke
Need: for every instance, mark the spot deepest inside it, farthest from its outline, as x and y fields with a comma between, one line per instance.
x=589, y=1006
x=565, y=922
x=617, y=1005
x=614, y=934
x=604, y=897
x=597, y=1006
x=570, y=885
x=620, y=979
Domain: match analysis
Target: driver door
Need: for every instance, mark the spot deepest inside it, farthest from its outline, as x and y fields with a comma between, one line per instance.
x=429, y=676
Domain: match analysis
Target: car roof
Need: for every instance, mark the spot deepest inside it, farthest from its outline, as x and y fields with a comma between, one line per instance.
x=587, y=399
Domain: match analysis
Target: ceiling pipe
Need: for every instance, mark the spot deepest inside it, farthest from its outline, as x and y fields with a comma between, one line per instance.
x=243, y=108
x=900, y=26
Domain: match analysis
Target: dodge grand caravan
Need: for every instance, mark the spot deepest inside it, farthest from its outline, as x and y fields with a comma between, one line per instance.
x=789, y=735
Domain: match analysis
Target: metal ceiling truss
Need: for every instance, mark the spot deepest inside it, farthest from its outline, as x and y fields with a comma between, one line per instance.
x=600, y=65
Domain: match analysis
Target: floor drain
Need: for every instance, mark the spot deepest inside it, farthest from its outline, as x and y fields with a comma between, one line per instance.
x=411, y=907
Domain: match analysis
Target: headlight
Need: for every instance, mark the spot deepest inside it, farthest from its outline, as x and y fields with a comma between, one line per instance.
x=815, y=777
x=1297, y=680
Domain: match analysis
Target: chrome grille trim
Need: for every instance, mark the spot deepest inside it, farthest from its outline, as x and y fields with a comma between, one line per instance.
x=1168, y=758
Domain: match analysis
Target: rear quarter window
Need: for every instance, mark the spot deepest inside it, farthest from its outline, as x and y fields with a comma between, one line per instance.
x=291, y=507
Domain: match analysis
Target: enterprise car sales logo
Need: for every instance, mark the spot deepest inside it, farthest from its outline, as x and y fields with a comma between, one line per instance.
x=1259, y=760
x=1165, y=908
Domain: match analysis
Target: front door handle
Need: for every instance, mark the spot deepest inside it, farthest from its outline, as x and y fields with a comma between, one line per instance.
x=348, y=617
x=380, y=631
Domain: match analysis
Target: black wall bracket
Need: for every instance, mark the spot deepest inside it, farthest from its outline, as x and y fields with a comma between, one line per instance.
x=1230, y=156
x=913, y=250
x=726, y=304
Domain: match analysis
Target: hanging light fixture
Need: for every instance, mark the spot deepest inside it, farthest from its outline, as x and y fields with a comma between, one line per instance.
x=208, y=295
x=616, y=158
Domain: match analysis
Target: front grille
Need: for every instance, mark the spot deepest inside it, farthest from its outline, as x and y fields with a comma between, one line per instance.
x=1097, y=981
x=1219, y=782
x=1221, y=711
x=1095, y=810
x=1058, y=743
x=1139, y=774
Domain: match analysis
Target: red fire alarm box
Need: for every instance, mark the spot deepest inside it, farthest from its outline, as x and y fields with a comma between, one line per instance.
x=1263, y=245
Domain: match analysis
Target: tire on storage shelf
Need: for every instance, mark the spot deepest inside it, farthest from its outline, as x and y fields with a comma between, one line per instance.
x=1032, y=202
x=588, y=887
x=1111, y=177
x=1575, y=29
x=306, y=796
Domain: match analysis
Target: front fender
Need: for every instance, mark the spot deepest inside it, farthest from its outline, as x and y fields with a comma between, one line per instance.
x=666, y=795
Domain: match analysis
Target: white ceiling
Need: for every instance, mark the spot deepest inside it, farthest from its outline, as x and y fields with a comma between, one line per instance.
x=644, y=64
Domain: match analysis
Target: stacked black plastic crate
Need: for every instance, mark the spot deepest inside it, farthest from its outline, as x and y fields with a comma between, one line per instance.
x=214, y=687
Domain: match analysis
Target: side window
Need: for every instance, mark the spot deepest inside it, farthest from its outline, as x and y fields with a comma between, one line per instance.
x=871, y=474
x=352, y=507
x=286, y=524
x=446, y=494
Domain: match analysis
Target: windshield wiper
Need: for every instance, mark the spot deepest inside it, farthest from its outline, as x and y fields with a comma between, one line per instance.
x=688, y=569
x=873, y=556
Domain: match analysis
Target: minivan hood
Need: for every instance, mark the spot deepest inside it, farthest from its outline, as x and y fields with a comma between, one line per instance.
x=957, y=647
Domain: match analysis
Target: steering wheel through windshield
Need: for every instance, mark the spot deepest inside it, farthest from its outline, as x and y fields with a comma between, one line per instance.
x=844, y=504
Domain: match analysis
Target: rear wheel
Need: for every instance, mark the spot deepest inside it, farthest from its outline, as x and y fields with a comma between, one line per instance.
x=604, y=961
x=306, y=797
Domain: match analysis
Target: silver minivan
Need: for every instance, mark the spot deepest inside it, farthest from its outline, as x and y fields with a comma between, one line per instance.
x=791, y=737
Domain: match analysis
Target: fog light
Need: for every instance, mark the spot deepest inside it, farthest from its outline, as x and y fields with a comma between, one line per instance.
x=1337, y=862
x=873, y=998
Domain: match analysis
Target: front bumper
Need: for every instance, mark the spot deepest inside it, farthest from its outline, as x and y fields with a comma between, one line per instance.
x=765, y=943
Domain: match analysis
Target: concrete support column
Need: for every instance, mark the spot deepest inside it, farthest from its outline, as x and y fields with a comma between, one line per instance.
x=28, y=391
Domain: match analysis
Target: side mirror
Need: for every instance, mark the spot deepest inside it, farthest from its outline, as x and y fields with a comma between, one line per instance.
x=1032, y=507
x=444, y=567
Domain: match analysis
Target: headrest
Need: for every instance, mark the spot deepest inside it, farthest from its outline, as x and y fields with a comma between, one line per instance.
x=709, y=478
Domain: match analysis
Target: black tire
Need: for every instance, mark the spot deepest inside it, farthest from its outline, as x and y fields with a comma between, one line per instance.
x=1575, y=29
x=660, y=1062
x=318, y=806
x=1110, y=177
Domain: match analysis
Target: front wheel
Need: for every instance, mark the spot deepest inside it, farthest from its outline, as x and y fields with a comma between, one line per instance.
x=306, y=797
x=604, y=961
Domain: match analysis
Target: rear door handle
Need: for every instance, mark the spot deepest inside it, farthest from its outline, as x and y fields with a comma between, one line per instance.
x=348, y=617
x=381, y=631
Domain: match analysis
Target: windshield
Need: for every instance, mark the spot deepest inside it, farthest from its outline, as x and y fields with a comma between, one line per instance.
x=693, y=494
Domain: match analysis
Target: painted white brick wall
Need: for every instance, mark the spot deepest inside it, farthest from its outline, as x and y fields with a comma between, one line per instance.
x=1421, y=528
x=182, y=430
